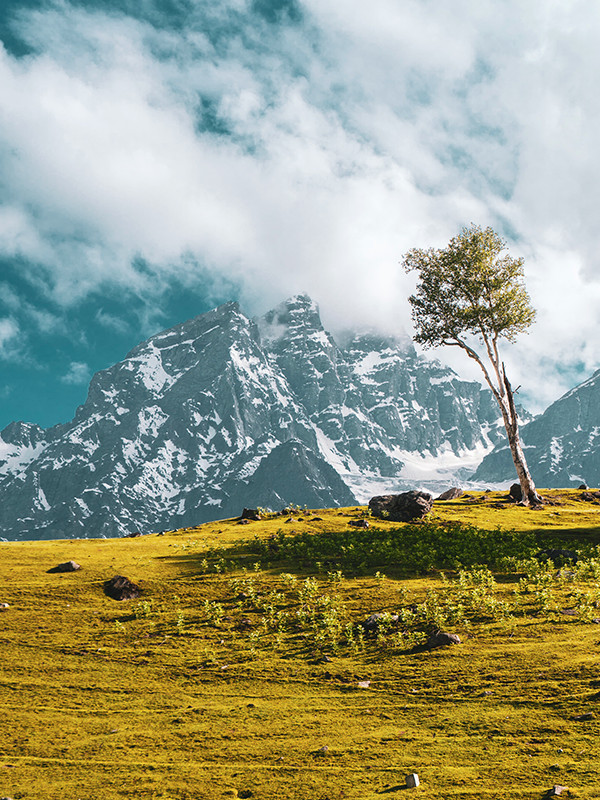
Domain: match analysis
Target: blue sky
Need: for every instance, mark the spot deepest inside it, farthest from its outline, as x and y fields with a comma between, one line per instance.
x=158, y=158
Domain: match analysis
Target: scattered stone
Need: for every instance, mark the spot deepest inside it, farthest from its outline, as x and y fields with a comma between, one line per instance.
x=569, y=612
x=371, y=624
x=566, y=574
x=441, y=639
x=451, y=494
x=291, y=519
x=359, y=523
x=251, y=514
x=583, y=486
x=244, y=522
x=326, y=659
x=556, y=790
x=412, y=780
x=121, y=588
x=591, y=497
x=583, y=717
x=487, y=693
x=558, y=557
x=515, y=493
x=67, y=566
x=363, y=684
x=4, y=606
x=401, y=507
x=133, y=535
x=244, y=793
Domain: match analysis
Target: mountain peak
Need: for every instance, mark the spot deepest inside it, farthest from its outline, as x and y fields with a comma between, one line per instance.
x=22, y=433
x=295, y=318
x=219, y=411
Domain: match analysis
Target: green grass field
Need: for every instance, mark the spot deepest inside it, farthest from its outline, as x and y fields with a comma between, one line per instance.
x=242, y=671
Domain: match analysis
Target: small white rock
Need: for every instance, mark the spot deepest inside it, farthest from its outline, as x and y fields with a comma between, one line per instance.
x=363, y=684
x=412, y=780
x=4, y=606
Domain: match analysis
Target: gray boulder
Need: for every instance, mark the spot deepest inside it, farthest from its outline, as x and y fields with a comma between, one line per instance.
x=67, y=566
x=515, y=492
x=401, y=507
x=451, y=494
x=441, y=639
x=121, y=588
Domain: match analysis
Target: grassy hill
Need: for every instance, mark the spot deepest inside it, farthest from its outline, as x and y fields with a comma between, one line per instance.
x=243, y=671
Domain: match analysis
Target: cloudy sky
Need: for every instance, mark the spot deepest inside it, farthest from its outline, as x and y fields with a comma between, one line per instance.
x=158, y=157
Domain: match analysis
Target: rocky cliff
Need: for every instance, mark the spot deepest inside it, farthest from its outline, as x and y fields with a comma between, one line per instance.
x=223, y=411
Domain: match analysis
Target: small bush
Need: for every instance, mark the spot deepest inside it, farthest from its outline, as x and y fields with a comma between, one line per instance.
x=407, y=549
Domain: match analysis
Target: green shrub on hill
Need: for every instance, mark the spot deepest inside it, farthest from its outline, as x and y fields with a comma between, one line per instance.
x=406, y=549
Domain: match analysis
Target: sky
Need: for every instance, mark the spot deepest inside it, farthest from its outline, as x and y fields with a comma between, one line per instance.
x=160, y=157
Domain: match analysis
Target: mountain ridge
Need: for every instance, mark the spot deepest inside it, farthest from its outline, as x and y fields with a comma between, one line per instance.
x=562, y=445
x=176, y=432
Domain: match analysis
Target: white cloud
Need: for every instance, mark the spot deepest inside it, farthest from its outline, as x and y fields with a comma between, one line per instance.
x=78, y=373
x=9, y=338
x=111, y=322
x=366, y=131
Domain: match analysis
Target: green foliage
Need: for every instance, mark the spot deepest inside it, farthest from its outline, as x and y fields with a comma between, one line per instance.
x=213, y=612
x=469, y=287
x=143, y=609
x=407, y=549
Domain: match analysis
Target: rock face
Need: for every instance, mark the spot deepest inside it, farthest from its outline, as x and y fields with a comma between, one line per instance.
x=223, y=412
x=401, y=507
x=562, y=445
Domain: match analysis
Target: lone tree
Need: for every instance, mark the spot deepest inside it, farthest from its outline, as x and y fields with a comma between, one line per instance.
x=470, y=291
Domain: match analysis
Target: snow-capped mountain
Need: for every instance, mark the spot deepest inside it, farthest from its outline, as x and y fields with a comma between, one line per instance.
x=562, y=445
x=223, y=412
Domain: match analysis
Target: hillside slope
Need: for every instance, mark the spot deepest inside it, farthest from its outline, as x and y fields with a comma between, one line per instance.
x=236, y=674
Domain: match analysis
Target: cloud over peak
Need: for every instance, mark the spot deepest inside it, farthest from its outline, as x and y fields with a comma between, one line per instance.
x=276, y=146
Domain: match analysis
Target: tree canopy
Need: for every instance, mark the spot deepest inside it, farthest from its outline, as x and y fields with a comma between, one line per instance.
x=469, y=287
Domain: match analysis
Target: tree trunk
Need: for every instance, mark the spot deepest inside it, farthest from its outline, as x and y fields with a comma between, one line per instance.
x=530, y=497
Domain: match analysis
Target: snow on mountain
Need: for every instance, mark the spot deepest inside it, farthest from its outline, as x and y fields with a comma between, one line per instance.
x=562, y=445
x=223, y=411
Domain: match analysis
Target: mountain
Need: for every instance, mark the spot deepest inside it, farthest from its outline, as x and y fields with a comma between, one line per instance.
x=562, y=445
x=223, y=411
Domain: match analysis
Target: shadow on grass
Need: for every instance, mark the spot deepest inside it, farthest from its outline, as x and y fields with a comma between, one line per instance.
x=403, y=551
x=400, y=787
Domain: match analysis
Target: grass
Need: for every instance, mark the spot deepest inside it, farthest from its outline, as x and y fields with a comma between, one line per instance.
x=243, y=659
